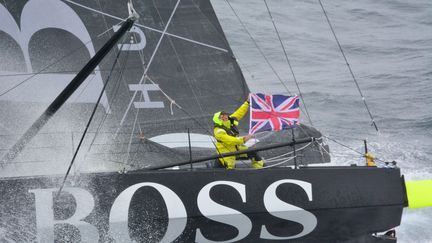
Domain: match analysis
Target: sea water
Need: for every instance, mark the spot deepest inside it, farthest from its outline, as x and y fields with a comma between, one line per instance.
x=388, y=45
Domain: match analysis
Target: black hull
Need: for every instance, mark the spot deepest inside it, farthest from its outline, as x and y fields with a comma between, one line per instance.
x=321, y=204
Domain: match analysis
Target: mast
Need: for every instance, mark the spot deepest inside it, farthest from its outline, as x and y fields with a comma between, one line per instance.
x=16, y=149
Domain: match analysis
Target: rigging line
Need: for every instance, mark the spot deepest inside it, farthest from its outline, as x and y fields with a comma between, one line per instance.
x=220, y=33
x=277, y=164
x=106, y=27
x=137, y=112
x=185, y=111
x=132, y=164
x=343, y=145
x=112, y=102
x=107, y=30
x=288, y=153
x=188, y=114
x=348, y=65
x=65, y=72
x=119, y=127
x=289, y=63
x=259, y=48
x=125, y=162
x=188, y=79
x=165, y=94
x=103, y=61
x=210, y=22
x=34, y=161
x=276, y=160
x=183, y=69
x=84, y=88
x=87, y=127
x=103, y=16
x=142, y=80
x=321, y=147
x=350, y=137
x=181, y=108
x=205, y=129
x=46, y=67
x=120, y=78
x=266, y=59
x=149, y=28
x=346, y=146
x=141, y=55
x=149, y=63
x=99, y=70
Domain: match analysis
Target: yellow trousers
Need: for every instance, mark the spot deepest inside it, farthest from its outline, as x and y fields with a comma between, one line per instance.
x=229, y=162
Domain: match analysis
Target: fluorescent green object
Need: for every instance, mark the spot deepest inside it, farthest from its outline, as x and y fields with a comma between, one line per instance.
x=419, y=193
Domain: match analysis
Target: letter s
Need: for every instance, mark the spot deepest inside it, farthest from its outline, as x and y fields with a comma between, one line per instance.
x=283, y=210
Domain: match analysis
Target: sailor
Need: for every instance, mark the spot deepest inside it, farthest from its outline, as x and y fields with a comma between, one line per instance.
x=228, y=139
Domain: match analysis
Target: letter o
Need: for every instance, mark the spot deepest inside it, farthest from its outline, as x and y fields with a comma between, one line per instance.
x=118, y=220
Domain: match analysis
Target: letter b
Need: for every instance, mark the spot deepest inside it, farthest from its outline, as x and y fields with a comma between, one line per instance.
x=45, y=214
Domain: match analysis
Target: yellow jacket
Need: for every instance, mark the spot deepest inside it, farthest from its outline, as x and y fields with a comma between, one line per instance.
x=227, y=142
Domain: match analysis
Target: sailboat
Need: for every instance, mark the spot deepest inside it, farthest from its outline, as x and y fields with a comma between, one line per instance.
x=144, y=109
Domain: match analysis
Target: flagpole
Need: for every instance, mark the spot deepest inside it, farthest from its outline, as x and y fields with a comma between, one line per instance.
x=294, y=149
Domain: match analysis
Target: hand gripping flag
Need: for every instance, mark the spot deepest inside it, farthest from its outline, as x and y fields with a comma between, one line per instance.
x=273, y=112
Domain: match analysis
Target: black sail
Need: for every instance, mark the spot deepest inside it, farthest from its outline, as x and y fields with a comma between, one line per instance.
x=174, y=70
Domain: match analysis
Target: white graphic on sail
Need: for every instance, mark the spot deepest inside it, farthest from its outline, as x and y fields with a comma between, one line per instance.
x=39, y=15
x=146, y=103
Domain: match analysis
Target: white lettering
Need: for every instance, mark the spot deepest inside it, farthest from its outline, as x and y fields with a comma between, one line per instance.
x=283, y=210
x=223, y=214
x=177, y=215
x=137, y=46
x=144, y=88
x=40, y=15
x=45, y=214
x=118, y=220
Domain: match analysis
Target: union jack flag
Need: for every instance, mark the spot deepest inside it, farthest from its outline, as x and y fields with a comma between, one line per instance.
x=273, y=112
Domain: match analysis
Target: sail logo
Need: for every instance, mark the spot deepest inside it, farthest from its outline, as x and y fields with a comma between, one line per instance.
x=38, y=15
x=177, y=213
x=137, y=44
x=145, y=101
